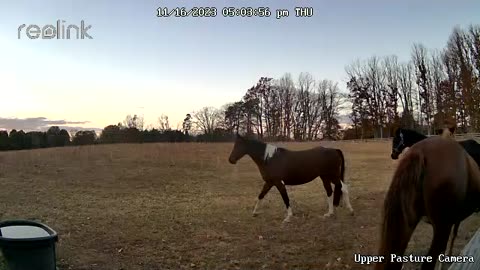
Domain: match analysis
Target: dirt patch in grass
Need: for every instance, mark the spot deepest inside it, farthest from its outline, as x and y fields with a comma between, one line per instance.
x=183, y=206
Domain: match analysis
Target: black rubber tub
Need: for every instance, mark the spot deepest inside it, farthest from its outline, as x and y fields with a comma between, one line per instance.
x=28, y=245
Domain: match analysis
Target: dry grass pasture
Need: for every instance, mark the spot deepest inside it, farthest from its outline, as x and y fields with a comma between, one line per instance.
x=183, y=206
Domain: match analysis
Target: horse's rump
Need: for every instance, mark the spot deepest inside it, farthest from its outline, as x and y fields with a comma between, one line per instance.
x=446, y=175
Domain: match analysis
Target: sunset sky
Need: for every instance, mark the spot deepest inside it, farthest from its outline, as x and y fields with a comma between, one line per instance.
x=139, y=63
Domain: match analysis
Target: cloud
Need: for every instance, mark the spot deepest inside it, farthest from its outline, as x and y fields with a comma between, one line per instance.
x=40, y=123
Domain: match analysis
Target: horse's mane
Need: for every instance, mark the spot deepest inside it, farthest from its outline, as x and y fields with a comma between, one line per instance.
x=254, y=141
x=257, y=142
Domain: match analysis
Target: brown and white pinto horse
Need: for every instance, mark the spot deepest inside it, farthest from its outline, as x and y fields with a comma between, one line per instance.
x=438, y=179
x=280, y=167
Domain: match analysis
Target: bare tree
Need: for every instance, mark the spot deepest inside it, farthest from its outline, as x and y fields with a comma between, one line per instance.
x=187, y=124
x=163, y=122
x=331, y=102
x=420, y=61
x=407, y=93
x=133, y=122
x=375, y=77
x=362, y=114
x=287, y=90
x=391, y=71
x=234, y=116
x=462, y=50
x=306, y=84
x=207, y=119
x=272, y=106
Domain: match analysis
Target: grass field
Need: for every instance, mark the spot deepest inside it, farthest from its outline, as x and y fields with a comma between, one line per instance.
x=183, y=206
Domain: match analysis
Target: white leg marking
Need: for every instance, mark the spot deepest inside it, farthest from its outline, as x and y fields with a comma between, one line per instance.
x=330, y=206
x=346, y=198
x=269, y=151
x=289, y=214
x=257, y=204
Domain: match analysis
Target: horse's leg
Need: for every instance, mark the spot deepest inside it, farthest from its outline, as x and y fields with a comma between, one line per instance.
x=346, y=198
x=454, y=235
x=441, y=233
x=283, y=191
x=328, y=188
x=266, y=187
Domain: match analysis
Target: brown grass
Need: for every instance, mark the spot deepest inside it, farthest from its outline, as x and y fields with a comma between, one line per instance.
x=179, y=206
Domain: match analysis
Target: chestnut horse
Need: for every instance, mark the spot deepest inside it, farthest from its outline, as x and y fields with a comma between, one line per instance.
x=438, y=179
x=280, y=167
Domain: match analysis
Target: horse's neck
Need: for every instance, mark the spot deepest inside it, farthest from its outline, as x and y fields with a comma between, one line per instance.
x=256, y=153
x=416, y=137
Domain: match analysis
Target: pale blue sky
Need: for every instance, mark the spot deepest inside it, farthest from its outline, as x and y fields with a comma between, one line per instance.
x=177, y=65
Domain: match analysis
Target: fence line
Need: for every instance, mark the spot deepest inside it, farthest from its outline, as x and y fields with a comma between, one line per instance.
x=458, y=137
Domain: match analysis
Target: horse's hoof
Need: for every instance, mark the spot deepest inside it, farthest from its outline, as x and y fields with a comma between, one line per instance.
x=254, y=214
x=287, y=219
x=327, y=215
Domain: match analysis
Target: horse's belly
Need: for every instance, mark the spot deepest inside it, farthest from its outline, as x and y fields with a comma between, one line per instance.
x=299, y=178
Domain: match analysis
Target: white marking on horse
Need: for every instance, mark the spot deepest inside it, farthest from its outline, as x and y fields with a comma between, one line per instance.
x=269, y=151
x=257, y=204
x=289, y=214
x=346, y=198
x=330, y=206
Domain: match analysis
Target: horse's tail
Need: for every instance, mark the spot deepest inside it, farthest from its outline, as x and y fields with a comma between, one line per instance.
x=337, y=193
x=342, y=168
x=400, y=215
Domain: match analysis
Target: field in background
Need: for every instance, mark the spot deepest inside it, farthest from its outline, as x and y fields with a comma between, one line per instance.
x=183, y=206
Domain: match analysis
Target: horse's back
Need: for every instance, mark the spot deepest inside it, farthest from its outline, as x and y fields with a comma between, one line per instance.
x=313, y=162
x=314, y=151
x=470, y=145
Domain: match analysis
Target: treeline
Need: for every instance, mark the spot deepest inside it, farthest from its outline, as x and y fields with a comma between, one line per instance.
x=18, y=140
x=420, y=92
x=130, y=131
x=282, y=109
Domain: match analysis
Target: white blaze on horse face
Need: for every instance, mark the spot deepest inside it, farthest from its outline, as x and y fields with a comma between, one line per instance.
x=269, y=151
x=346, y=198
